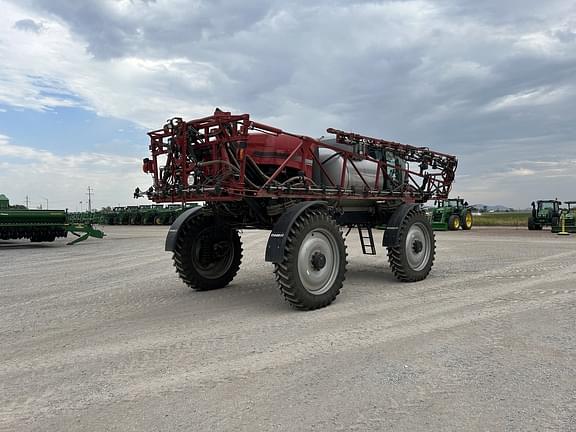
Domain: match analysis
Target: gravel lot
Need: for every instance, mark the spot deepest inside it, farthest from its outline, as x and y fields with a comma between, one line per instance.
x=104, y=336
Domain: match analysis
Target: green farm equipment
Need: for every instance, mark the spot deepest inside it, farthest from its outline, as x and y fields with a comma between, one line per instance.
x=161, y=216
x=168, y=214
x=155, y=214
x=42, y=226
x=149, y=213
x=452, y=214
x=544, y=213
x=107, y=217
x=118, y=215
x=567, y=219
x=132, y=216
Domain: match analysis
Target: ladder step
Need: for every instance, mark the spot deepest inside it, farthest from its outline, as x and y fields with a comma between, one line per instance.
x=367, y=242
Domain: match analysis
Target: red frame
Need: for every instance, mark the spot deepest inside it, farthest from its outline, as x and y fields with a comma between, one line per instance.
x=218, y=133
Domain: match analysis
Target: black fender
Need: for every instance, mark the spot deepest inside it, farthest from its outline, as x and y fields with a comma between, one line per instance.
x=279, y=234
x=390, y=238
x=177, y=224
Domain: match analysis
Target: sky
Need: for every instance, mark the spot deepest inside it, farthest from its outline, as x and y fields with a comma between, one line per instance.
x=492, y=82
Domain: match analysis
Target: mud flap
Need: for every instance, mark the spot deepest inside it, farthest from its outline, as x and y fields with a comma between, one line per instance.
x=175, y=227
x=390, y=238
x=279, y=234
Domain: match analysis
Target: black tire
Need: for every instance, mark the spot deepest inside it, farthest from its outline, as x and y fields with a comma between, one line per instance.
x=221, y=251
x=415, y=228
x=453, y=222
x=468, y=221
x=314, y=243
x=533, y=226
x=555, y=221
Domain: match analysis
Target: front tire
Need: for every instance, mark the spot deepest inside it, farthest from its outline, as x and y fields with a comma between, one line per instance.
x=412, y=259
x=532, y=225
x=313, y=268
x=453, y=222
x=207, y=257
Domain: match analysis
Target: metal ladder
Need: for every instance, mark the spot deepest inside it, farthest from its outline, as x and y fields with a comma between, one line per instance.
x=367, y=248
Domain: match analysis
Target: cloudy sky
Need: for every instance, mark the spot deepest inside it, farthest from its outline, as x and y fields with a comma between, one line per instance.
x=492, y=81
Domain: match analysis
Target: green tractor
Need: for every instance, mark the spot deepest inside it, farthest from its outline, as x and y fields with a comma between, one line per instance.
x=132, y=216
x=150, y=212
x=544, y=213
x=567, y=220
x=164, y=215
x=452, y=214
x=119, y=216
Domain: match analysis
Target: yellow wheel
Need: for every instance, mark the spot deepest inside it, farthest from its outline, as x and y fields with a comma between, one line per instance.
x=454, y=222
x=468, y=221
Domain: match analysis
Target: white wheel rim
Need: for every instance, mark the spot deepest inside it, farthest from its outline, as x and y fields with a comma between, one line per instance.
x=318, y=261
x=418, y=246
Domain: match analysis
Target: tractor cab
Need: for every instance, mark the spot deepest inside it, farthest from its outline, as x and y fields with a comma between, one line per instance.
x=458, y=203
x=544, y=213
x=546, y=208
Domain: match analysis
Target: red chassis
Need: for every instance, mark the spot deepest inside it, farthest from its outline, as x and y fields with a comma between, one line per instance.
x=227, y=157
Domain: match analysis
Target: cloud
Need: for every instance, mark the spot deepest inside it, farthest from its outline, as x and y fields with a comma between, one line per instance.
x=534, y=97
x=29, y=25
x=520, y=172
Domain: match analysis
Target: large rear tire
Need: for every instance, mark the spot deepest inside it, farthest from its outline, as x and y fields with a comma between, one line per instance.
x=313, y=268
x=207, y=256
x=468, y=221
x=412, y=259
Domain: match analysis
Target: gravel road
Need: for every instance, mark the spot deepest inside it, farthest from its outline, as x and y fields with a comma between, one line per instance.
x=104, y=336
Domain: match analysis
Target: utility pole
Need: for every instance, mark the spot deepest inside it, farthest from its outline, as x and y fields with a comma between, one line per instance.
x=46, y=199
x=90, y=193
x=27, y=201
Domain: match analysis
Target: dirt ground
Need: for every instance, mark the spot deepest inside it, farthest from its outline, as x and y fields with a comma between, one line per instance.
x=104, y=336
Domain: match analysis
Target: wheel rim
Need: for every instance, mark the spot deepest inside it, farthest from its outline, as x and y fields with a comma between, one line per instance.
x=318, y=261
x=418, y=246
x=468, y=219
x=212, y=257
x=456, y=223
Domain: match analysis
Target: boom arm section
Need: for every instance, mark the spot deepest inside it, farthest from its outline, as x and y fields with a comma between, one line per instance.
x=435, y=184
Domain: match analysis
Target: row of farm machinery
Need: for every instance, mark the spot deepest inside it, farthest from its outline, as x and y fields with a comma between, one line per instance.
x=47, y=225
x=455, y=213
x=156, y=214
